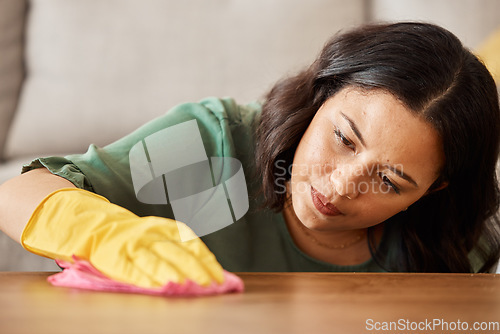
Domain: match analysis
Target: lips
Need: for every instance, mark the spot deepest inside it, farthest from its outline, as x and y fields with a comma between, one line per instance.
x=323, y=205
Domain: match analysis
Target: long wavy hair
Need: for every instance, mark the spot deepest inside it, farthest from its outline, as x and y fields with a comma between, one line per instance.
x=439, y=80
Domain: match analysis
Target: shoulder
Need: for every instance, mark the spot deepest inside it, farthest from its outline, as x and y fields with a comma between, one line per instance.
x=215, y=119
x=220, y=110
x=225, y=126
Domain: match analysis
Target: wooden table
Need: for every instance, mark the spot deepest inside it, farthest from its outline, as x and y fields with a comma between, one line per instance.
x=272, y=303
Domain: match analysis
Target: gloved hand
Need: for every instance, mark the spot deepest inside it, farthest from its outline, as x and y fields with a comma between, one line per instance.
x=145, y=251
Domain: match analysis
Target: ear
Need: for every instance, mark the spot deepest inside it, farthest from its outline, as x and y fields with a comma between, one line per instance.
x=433, y=188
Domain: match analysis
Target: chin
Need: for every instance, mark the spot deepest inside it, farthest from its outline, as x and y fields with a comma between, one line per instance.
x=316, y=223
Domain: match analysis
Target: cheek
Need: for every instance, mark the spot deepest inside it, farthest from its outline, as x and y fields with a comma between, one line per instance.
x=377, y=208
x=370, y=215
x=313, y=156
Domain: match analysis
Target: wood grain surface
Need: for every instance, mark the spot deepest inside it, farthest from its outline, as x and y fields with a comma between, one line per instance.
x=272, y=303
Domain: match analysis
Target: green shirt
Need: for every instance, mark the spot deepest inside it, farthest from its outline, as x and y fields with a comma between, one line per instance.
x=259, y=241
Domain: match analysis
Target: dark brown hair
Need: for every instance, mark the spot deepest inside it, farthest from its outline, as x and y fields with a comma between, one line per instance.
x=430, y=71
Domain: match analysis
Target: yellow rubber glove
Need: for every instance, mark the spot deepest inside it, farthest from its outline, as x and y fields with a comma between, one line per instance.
x=145, y=251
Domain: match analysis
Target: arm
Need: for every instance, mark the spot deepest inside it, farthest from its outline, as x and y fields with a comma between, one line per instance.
x=52, y=218
x=128, y=241
x=20, y=196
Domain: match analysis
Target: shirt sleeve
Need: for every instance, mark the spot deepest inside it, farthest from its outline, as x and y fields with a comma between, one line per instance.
x=107, y=170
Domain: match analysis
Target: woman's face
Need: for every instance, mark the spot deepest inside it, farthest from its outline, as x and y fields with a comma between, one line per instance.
x=363, y=158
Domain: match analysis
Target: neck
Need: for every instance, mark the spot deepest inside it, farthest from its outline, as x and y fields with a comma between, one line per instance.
x=346, y=247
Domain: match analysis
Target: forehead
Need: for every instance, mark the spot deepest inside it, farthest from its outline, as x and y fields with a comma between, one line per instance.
x=392, y=133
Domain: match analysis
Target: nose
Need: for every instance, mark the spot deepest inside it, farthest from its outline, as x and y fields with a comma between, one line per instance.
x=345, y=179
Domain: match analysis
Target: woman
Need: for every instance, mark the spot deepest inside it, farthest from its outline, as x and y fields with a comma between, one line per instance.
x=379, y=157
x=435, y=79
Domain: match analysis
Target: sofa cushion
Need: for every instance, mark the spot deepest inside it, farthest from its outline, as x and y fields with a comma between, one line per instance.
x=99, y=69
x=12, y=17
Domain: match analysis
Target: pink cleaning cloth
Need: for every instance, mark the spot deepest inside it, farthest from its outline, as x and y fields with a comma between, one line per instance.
x=81, y=274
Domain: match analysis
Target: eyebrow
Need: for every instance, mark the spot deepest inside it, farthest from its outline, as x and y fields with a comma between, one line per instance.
x=402, y=175
x=354, y=128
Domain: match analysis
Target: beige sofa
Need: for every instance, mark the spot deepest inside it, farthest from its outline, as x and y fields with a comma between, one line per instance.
x=75, y=72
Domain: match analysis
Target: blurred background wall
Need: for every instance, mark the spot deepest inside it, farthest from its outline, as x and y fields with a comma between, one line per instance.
x=471, y=20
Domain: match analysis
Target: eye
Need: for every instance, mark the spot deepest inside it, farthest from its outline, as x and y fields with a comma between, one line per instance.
x=344, y=140
x=389, y=183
